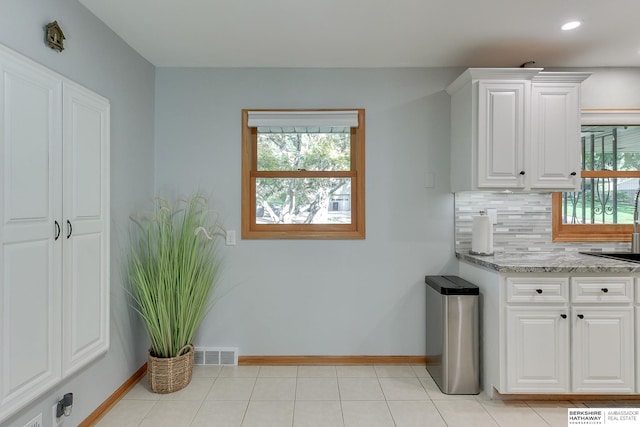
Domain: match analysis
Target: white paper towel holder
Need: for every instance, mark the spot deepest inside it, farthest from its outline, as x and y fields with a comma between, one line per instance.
x=490, y=252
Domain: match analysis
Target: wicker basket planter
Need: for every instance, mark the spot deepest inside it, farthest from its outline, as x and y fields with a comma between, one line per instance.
x=169, y=374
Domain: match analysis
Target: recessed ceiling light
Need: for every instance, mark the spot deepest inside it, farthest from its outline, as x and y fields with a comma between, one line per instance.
x=571, y=25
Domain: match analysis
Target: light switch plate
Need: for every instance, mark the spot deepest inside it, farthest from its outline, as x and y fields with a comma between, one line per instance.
x=230, y=237
x=429, y=180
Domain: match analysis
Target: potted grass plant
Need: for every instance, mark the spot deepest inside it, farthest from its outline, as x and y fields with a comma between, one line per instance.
x=173, y=270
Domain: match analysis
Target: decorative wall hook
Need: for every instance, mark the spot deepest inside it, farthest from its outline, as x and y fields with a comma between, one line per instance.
x=54, y=36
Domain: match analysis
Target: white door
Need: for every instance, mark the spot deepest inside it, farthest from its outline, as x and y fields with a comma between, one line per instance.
x=603, y=349
x=501, y=133
x=537, y=344
x=555, y=136
x=86, y=227
x=30, y=233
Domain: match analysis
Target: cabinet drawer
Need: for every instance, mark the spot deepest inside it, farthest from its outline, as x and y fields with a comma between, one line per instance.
x=537, y=290
x=602, y=289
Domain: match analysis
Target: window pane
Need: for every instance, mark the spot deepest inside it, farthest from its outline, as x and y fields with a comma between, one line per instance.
x=303, y=201
x=601, y=201
x=611, y=148
x=304, y=149
x=605, y=200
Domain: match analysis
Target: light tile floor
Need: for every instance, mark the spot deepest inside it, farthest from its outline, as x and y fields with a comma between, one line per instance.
x=327, y=396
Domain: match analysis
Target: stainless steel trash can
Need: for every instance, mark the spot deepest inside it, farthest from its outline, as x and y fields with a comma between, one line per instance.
x=452, y=334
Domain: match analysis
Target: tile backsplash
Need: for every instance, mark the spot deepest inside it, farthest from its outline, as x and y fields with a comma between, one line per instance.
x=524, y=223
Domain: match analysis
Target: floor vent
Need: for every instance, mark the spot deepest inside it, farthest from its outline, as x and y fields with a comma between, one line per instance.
x=36, y=422
x=216, y=356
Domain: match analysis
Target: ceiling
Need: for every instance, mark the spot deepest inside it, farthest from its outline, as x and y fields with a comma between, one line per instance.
x=376, y=33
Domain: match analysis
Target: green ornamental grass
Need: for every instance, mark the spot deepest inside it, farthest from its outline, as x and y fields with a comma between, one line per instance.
x=173, y=271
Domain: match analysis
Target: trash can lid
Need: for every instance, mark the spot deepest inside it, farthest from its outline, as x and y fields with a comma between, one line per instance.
x=451, y=285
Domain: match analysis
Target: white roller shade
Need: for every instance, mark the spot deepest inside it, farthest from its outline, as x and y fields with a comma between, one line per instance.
x=303, y=119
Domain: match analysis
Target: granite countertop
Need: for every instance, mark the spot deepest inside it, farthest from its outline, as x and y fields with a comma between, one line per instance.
x=549, y=262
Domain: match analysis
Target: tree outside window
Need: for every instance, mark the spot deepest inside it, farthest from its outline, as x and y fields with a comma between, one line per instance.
x=603, y=209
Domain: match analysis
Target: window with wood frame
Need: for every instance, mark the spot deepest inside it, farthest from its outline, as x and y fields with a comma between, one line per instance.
x=603, y=208
x=303, y=174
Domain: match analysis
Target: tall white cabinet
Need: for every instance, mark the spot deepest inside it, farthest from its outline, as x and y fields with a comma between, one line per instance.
x=85, y=212
x=54, y=229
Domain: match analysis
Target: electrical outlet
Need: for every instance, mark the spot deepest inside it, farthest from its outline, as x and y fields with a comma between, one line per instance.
x=35, y=422
x=57, y=422
x=231, y=237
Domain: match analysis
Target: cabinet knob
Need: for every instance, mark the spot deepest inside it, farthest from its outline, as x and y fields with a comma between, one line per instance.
x=564, y=316
x=57, y=230
x=521, y=172
x=69, y=229
x=539, y=291
x=605, y=290
x=573, y=173
x=580, y=316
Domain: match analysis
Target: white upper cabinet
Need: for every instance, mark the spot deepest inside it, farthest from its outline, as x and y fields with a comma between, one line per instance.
x=515, y=129
x=501, y=133
x=54, y=229
x=555, y=131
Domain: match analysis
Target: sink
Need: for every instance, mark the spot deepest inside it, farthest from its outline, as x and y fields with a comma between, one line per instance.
x=622, y=256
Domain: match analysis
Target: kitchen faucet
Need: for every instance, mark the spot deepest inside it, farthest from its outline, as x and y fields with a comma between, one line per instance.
x=635, y=237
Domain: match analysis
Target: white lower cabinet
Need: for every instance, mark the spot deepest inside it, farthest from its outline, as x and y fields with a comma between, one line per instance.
x=537, y=350
x=581, y=345
x=602, y=350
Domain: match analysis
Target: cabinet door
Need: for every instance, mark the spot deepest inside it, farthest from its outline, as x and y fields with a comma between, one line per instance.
x=86, y=227
x=30, y=197
x=537, y=345
x=555, y=136
x=502, y=108
x=602, y=350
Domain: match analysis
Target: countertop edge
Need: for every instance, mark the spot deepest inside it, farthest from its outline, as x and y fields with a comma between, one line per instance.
x=548, y=262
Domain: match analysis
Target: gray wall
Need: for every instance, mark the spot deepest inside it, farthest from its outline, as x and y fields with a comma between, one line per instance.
x=612, y=88
x=96, y=58
x=315, y=297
